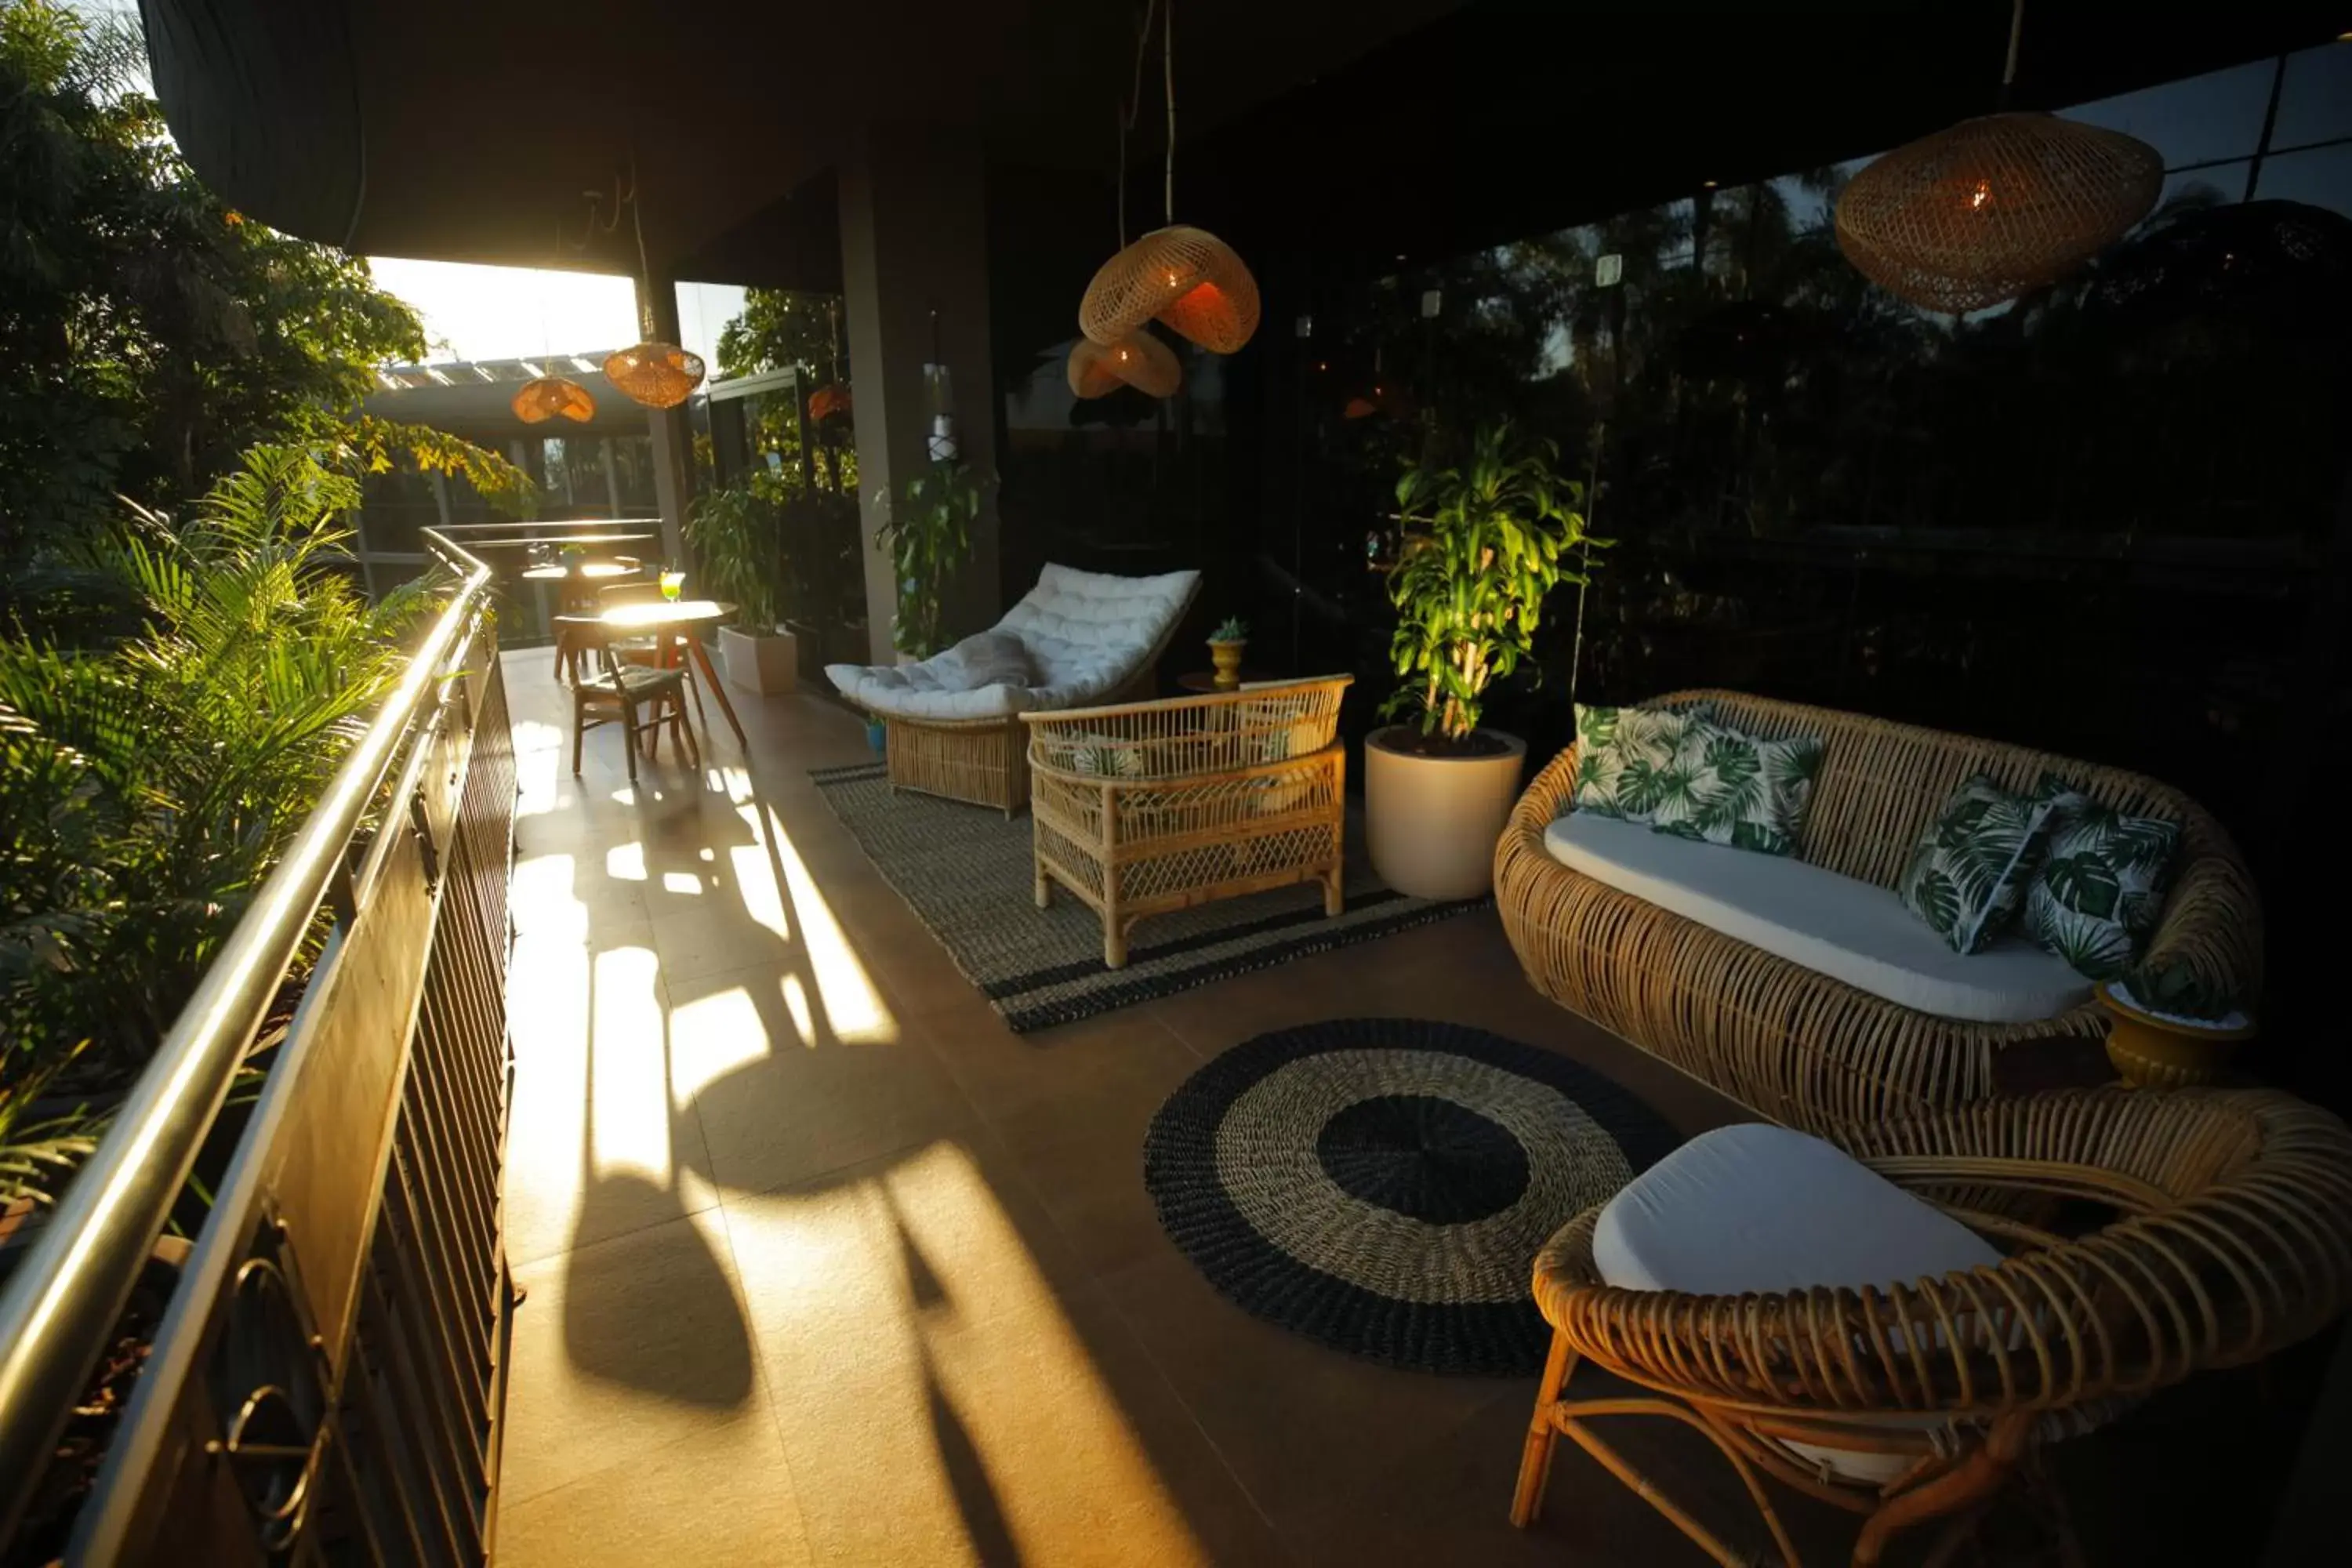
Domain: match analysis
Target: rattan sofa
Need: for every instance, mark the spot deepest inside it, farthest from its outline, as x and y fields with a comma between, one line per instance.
x=1146, y=808
x=2227, y=1234
x=1797, y=1045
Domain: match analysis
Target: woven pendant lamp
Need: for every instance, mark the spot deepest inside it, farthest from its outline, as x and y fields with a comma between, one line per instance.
x=1186, y=278
x=1995, y=207
x=552, y=397
x=655, y=374
x=1138, y=359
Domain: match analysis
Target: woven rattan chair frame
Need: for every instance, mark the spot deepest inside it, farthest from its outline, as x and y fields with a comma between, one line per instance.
x=985, y=761
x=1142, y=809
x=1797, y=1045
x=2232, y=1237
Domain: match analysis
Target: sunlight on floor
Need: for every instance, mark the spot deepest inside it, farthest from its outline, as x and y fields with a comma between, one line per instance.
x=922, y=1362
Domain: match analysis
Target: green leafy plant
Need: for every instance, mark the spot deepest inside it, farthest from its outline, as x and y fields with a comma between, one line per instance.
x=1232, y=628
x=147, y=788
x=738, y=534
x=40, y=1147
x=1483, y=543
x=2166, y=984
x=928, y=536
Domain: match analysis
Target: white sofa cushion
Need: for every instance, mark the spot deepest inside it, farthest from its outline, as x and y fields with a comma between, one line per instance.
x=1086, y=633
x=1757, y=1207
x=1833, y=925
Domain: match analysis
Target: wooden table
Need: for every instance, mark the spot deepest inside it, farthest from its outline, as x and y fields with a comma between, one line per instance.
x=659, y=617
x=1205, y=680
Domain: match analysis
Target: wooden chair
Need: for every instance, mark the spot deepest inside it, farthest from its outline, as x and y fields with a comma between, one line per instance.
x=618, y=690
x=665, y=650
x=1145, y=807
x=2228, y=1236
x=580, y=596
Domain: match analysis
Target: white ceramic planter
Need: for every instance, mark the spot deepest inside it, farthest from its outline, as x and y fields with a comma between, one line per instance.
x=1432, y=823
x=764, y=665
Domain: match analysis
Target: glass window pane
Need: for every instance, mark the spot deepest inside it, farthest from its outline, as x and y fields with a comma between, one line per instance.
x=2211, y=187
x=2322, y=176
x=2217, y=115
x=2315, y=99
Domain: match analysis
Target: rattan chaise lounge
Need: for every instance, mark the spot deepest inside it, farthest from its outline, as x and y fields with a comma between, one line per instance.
x=2228, y=1235
x=1797, y=1045
x=954, y=721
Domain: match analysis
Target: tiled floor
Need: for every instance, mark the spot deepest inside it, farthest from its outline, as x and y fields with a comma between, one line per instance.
x=825, y=1264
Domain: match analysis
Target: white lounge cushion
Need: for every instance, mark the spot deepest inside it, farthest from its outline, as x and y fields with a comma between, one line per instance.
x=1833, y=925
x=1085, y=634
x=1758, y=1207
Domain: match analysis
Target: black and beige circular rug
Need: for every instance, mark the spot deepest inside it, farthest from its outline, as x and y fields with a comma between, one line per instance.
x=1384, y=1185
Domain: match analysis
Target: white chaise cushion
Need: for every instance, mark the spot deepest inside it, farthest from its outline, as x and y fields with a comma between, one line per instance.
x=1758, y=1207
x=1085, y=634
x=1833, y=925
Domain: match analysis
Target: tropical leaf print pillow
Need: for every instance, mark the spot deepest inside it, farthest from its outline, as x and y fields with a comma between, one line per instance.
x=1968, y=875
x=2099, y=893
x=1728, y=787
x=1624, y=757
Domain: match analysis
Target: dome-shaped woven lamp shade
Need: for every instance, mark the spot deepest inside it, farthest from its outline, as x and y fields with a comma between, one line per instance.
x=1992, y=207
x=828, y=402
x=1187, y=278
x=1138, y=360
x=658, y=375
x=550, y=396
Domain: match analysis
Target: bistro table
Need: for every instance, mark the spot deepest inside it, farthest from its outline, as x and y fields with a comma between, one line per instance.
x=660, y=617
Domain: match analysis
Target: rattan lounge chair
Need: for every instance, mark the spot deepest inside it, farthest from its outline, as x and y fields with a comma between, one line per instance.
x=1090, y=638
x=2231, y=1237
x=1796, y=1044
x=1146, y=808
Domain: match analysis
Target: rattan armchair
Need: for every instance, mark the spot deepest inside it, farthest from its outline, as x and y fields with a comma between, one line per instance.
x=2232, y=1236
x=1795, y=1044
x=1145, y=808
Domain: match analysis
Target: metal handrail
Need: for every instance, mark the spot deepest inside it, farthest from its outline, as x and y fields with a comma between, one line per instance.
x=59, y=1307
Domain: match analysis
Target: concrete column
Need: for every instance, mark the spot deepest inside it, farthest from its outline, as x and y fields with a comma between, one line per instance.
x=673, y=438
x=914, y=240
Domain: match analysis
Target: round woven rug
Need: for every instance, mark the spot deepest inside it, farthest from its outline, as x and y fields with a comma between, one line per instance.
x=1384, y=1185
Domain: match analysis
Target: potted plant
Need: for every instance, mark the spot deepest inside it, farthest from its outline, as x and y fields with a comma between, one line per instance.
x=929, y=535
x=739, y=537
x=2170, y=1027
x=1225, y=647
x=1482, y=544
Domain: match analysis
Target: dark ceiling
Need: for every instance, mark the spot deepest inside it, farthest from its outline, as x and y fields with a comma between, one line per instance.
x=1337, y=126
x=467, y=129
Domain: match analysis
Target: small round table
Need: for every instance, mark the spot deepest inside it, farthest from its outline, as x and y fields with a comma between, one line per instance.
x=658, y=616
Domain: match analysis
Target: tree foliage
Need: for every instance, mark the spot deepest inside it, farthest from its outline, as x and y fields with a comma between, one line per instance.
x=149, y=334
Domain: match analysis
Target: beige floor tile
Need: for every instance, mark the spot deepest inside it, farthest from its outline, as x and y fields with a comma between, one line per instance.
x=623, y=1346
x=723, y=1495
x=792, y=1074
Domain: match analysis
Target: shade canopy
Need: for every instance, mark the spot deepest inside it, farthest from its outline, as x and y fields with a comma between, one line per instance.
x=1138, y=359
x=553, y=396
x=1993, y=207
x=1186, y=278
x=658, y=375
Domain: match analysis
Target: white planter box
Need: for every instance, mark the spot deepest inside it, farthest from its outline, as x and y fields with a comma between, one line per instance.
x=766, y=664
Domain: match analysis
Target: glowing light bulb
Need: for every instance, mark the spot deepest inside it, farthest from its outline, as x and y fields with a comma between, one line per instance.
x=1171, y=280
x=1982, y=193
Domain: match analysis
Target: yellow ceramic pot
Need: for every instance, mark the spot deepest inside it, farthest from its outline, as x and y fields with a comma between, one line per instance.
x=2152, y=1050
x=1227, y=657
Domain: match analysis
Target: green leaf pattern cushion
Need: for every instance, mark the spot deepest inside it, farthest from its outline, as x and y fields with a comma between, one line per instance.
x=1625, y=757
x=1727, y=787
x=1968, y=875
x=2099, y=894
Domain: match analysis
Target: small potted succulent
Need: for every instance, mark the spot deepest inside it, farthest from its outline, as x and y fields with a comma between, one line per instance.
x=1226, y=645
x=1483, y=544
x=2171, y=1026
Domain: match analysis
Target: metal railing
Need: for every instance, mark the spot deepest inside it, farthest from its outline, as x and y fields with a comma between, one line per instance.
x=326, y=1382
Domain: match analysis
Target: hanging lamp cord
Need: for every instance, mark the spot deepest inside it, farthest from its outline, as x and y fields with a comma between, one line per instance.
x=1132, y=108
x=1167, y=85
x=2008, y=67
x=645, y=267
